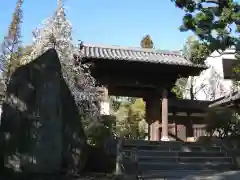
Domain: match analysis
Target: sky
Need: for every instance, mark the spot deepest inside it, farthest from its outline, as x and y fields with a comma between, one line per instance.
x=110, y=22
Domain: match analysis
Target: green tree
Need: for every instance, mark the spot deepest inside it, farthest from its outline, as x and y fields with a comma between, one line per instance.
x=11, y=50
x=179, y=87
x=122, y=125
x=213, y=21
x=137, y=118
x=217, y=25
x=115, y=103
x=196, y=52
x=222, y=122
x=97, y=131
x=130, y=119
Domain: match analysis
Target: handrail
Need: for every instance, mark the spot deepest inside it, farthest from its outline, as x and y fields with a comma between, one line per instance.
x=119, y=159
x=134, y=158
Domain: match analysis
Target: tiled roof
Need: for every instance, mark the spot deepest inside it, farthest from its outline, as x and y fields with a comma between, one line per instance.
x=136, y=54
x=226, y=99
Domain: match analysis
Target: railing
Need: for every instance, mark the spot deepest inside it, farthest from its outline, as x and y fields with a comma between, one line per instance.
x=119, y=161
x=134, y=158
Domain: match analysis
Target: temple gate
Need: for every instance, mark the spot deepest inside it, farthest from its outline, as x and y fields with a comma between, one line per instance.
x=149, y=74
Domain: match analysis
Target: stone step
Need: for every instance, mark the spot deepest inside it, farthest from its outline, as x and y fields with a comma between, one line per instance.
x=201, y=148
x=174, y=148
x=173, y=154
x=206, y=160
x=163, y=159
x=167, y=143
x=146, y=166
x=149, y=165
x=153, y=159
x=152, y=147
x=189, y=175
x=202, y=154
x=151, y=153
x=145, y=142
x=167, y=175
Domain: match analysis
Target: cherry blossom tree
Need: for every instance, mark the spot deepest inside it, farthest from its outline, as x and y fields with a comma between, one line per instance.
x=56, y=32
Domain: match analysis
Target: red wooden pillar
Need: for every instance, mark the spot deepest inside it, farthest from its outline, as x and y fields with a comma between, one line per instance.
x=164, y=116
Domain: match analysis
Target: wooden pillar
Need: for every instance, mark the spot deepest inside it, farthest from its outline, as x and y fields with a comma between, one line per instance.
x=154, y=131
x=175, y=125
x=164, y=116
x=147, y=117
x=153, y=117
x=189, y=126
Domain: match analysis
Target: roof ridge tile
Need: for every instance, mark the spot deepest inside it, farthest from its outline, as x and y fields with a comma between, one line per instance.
x=132, y=48
x=135, y=54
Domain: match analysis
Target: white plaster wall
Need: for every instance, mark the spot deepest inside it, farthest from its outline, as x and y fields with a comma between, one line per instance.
x=105, y=108
x=210, y=85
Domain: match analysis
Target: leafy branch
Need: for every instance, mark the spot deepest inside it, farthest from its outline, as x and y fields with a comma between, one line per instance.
x=213, y=21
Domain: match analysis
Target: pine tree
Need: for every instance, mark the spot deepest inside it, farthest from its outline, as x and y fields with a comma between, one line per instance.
x=11, y=50
x=213, y=21
x=216, y=23
x=57, y=33
x=147, y=42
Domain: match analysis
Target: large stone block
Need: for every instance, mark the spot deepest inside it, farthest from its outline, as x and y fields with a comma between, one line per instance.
x=41, y=130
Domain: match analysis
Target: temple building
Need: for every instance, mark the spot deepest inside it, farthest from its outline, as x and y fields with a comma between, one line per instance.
x=149, y=74
x=232, y=98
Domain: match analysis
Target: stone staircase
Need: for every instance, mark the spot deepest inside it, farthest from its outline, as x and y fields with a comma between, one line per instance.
x=174, y=160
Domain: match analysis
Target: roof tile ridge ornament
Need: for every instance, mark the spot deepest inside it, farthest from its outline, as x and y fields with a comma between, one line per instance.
x=136, y=49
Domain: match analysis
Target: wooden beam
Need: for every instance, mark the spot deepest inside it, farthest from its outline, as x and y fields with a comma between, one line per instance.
x=228, y=102
x=183, y=119
x=146, y=68
x=141, y=92
x=174, y=105
x=136, y=80
x=185, y=114
x=132, y=92
x=188, y=104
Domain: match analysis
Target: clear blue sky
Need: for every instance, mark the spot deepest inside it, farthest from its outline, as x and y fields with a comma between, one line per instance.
x=115, y=22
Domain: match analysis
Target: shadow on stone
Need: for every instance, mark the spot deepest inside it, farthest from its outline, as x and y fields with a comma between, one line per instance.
x=40, y=130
